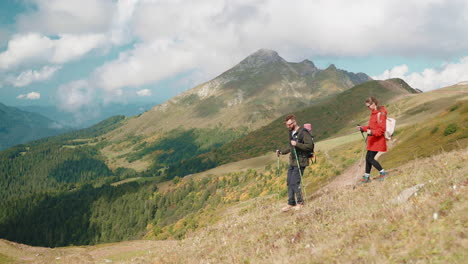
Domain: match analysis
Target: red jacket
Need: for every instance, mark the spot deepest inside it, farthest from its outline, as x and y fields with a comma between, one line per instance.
x=376, y=141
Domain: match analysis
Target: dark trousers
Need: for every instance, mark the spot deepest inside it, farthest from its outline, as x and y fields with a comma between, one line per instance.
x=370, y=161
x=294, y=185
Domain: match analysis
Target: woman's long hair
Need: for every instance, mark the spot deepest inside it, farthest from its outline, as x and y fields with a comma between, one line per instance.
x=374, y=100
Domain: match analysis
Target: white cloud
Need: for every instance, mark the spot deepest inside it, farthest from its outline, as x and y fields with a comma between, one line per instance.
x=121, y=31
x=30, y=76
x=207, y=37
x=75, y=96
x=335, y=27
x=70, y=47
x=33, y=47
x=30, y=96
x=25, y=47
x=59, y=31
x=146, y=63
x=201, y=39
x=55, y=17
x=395, y=72
x=430, y=79
x=144, y=92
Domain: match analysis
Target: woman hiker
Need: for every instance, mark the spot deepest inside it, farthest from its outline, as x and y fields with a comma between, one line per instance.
x=375, y=137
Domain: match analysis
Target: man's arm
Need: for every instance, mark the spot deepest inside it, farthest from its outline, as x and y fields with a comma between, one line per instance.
x=284, y=150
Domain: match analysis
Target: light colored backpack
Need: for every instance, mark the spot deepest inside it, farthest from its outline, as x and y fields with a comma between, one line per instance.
x=390, y=126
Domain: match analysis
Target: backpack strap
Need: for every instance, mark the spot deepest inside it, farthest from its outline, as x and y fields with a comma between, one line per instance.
x=378, y=117
x=302, y=130
x=300, y=134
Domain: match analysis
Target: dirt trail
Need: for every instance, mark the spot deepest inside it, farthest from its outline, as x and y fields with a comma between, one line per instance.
x=350, y=177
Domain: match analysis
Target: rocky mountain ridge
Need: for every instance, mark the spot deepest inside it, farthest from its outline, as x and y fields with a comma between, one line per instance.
x=257, y=90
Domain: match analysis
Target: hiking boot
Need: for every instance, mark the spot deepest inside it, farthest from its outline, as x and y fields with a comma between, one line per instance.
x=365, y=179
x=298, y=207
x=382, y=176
x=287, y=208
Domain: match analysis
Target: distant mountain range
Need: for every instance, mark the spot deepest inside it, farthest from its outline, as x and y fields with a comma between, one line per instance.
x=18, y=126
x=26, y=123
x=71, y=120
x=260, y=88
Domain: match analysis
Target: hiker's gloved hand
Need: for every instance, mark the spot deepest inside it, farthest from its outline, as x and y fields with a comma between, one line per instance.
x=278, y=152
x=360, y=128
x=369, y=132
x=294, y=143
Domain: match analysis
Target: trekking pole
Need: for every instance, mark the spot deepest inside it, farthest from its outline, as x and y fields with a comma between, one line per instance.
x=277, y=175
x=359, y=166
x=278, y=170
x=362, y=134
x=300, y=175
x=362, y=156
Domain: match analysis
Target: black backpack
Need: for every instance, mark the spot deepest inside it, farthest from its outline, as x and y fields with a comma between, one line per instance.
x=300, y=139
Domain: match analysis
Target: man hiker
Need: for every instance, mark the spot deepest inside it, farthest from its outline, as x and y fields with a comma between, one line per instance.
x=300, y=146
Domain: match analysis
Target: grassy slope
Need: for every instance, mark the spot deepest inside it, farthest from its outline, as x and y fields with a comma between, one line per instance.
x=327, y=118
x=345, y=225
x=339, y=226
x=413, y=137
x=348, y=226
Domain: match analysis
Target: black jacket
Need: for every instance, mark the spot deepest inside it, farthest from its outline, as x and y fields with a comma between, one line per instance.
x=305, y=144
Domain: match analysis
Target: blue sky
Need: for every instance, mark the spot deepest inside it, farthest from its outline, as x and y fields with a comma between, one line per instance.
x=79, y=54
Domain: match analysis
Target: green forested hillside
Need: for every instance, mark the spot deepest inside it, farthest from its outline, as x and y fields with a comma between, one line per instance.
x=86, y=215
x=54, y=163
x=32, y=175
x=56, y=191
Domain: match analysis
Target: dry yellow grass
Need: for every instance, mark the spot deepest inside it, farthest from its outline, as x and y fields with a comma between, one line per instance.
x=341, y=225
x=348, y=226
x=426, y=105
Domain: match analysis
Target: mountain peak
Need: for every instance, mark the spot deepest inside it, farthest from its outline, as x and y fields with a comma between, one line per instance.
x=331, y=67
x=305, y=67
x=265, y=53
x=308, y=62
x=261, y=57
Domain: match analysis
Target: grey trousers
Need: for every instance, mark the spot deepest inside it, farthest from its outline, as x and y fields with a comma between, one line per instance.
x=294, y=185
